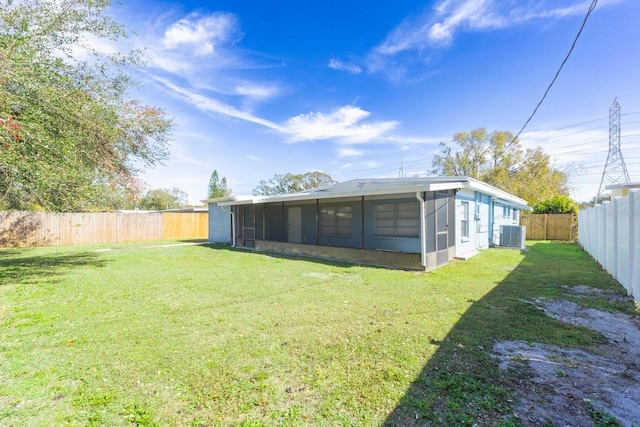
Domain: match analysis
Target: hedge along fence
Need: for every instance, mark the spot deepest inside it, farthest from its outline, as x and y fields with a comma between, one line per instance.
x=550, y=226
x=67, y=229
x=610, y=233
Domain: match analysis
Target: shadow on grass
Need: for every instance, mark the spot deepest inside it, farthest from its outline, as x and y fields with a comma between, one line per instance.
x=192, y=240
x=462, y=384
x=24, y=266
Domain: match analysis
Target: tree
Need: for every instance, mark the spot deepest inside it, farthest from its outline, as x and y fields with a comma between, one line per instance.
x=218, y=187
x=290, y=183
x=162, y=199
x=499, y=160
x=556, y=205
x=68, y=132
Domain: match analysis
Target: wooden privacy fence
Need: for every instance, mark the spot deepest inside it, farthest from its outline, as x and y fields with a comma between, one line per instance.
x=550, y=226
x=66, y=229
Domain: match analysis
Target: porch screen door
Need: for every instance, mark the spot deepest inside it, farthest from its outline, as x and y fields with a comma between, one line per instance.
x=295, y=224
x=442, y=228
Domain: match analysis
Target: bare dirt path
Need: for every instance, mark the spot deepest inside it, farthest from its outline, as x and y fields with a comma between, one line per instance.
x=571, y=387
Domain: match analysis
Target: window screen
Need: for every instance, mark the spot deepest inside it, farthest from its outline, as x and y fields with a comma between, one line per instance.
x=336, y=220
x=397, y=220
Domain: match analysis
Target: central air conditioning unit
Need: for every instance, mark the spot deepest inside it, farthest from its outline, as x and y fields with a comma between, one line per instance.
x=513, y=236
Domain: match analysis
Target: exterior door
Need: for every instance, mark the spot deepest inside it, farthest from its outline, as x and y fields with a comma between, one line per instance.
x=249, y=226
x=295, y=225
x=442, y=228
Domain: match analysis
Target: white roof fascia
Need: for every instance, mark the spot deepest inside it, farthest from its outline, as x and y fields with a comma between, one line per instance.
x=446, y=183
x=321, y=195
x=218, y=199
x=502, y=196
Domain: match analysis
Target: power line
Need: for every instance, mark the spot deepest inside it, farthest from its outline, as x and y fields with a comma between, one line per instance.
x=573, y=45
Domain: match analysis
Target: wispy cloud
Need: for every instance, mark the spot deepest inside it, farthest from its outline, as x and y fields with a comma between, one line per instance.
x=345, y=124
x=201, y=34
x=254, y=158
x=256, y=91
x=351, y=68
x=438, y=26
x=211, y=105
x=349, y=152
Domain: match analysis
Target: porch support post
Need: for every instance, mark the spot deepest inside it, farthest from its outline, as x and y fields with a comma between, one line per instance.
x=362, y=222
x=318, y=222
x=423, y=231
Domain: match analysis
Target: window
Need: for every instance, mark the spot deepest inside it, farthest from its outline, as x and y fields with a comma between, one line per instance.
x=515, y=215
x=336, y=220
x=397, y=220
x=464, y=220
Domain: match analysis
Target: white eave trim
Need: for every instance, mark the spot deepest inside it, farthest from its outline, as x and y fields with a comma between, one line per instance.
x=321, y=195
x=498, y=195
x=448, y=183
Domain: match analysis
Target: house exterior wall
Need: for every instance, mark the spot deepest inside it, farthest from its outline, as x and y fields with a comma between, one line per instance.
x=219, y=224
x=388, y=224
x=479, y=221
x=470, y=242
x=503, y=215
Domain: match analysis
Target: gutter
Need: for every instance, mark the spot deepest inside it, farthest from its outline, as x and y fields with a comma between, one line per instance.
x=423, y=237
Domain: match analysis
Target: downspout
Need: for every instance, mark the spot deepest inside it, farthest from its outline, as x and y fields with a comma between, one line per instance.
x=491, y=215
x=423, y=237
x=233, y=226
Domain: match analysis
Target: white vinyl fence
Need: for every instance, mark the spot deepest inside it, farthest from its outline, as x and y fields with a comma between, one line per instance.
x=611, y=234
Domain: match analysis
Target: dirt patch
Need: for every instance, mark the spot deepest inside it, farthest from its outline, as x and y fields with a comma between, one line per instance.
x=571, y=387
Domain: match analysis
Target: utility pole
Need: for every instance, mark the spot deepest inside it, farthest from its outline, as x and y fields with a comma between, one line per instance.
x=401, y=173
x=615, y=170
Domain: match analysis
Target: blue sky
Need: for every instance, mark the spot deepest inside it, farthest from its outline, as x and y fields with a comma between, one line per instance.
x=351, y=88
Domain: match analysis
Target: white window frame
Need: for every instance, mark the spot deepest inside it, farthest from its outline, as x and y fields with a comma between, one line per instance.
x=464, y=221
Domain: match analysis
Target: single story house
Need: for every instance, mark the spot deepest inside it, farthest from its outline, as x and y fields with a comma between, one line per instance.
x=414, y=223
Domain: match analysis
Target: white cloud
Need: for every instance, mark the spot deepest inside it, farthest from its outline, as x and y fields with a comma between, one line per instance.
x=168, y=63
x=474, y=13
x=439, y=25
x=254, y=158
x=344, y=124
x=347, y=124
x=336, y=64
x=256, y=91
x=349, y=152
x=210, y=105
x=201, y=33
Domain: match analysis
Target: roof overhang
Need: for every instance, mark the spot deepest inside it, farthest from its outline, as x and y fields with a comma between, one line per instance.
x=381, y=187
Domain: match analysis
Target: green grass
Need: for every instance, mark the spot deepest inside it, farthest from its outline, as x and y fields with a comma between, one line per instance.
x=207, y=335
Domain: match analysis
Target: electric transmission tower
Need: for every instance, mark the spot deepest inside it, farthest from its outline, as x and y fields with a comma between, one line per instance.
x=615, y=171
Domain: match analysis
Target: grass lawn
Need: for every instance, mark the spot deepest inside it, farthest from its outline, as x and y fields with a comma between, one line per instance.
x=207, y=335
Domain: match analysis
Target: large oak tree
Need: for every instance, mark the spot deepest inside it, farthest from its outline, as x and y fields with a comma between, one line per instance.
x=498, y=159
x=69, y=133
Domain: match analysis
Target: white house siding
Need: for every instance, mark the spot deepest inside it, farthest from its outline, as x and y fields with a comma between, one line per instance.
x=219, y=224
